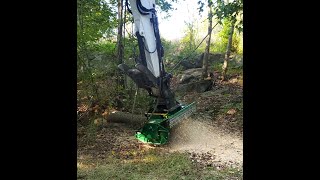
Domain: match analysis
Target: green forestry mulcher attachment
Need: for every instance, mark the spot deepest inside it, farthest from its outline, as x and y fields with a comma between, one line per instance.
x=149, y=73
x=157, y=130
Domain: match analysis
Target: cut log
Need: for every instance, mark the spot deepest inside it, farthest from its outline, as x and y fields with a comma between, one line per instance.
x=126, y=118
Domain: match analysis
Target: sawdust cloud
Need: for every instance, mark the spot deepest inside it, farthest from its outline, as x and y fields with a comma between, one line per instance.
x=195, y=136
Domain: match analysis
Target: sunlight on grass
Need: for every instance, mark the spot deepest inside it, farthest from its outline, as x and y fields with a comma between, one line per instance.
x=82, y=166
x=85, y=166
x=146, y=146
x=153, y=165
x=150, y=158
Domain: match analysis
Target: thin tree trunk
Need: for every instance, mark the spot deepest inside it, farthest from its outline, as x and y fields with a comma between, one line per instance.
x=207, y=50
x=227, y=55
x=120, y=41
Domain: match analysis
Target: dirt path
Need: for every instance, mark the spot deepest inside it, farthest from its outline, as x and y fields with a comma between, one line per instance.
x=195, y=136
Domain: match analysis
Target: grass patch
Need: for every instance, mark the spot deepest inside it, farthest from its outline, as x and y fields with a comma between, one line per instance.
x=217, y=66
x=91, y=132
x=233, y=68
x=235, y=71
x=234, y=105
x=154, y=165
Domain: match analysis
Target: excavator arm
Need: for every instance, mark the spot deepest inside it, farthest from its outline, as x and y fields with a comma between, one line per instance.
x=149, y=73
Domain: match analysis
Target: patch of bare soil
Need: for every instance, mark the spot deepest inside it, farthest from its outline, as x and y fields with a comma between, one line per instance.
x=114, y=139
x=206, y=144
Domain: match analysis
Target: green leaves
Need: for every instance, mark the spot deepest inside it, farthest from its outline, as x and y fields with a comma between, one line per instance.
x=95, y=18
x=222, y=10
x=201, y=4
x=232, y=11
x=165, y=5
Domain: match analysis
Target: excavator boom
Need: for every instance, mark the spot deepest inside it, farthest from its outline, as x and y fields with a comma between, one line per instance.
x=149, y=73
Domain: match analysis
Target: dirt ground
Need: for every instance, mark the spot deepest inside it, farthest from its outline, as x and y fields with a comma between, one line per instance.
x=212, y=136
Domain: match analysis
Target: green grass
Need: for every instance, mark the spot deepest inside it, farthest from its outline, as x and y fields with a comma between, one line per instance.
x=155, y=166
x=234, y=105
x=233, y=68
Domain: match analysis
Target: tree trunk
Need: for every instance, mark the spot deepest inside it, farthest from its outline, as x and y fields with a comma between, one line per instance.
x=207, y=50
x=227, y=55
x=120, y=42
